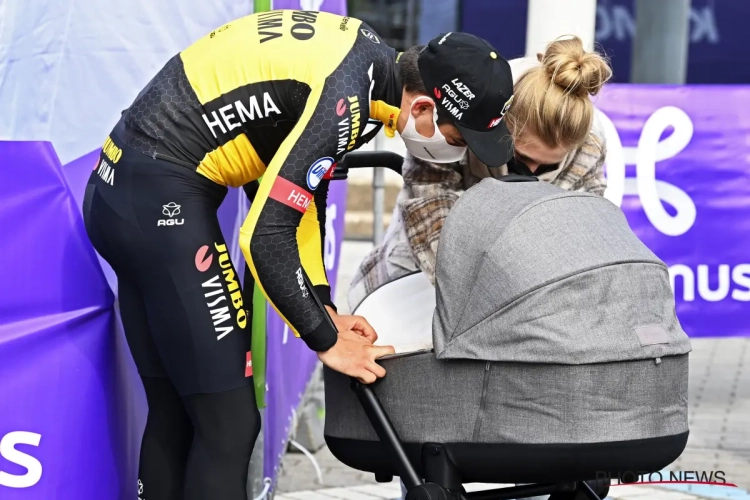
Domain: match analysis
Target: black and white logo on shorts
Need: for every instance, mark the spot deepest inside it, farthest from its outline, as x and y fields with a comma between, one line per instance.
x=370, y=35
x=170, y=210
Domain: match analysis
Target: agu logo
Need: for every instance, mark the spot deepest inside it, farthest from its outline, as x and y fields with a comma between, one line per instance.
x=170, y=210
x=317, y=171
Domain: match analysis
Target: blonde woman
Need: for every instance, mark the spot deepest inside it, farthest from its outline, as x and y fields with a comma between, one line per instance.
x=555, y=136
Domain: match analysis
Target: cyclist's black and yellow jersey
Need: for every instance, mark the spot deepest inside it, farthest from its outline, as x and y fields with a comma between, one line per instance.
x=283, y=95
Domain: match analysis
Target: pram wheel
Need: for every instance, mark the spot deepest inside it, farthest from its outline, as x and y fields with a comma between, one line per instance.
x=590, y=490
x=428, y=491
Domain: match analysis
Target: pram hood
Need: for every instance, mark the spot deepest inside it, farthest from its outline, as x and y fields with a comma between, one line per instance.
x=529, y=272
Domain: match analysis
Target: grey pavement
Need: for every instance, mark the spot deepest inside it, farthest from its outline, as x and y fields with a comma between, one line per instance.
x=719, y=399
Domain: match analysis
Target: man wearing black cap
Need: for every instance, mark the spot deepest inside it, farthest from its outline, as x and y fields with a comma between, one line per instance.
x=466, y=89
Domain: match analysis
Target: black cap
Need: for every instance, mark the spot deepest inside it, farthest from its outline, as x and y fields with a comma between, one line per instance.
x=473, y=84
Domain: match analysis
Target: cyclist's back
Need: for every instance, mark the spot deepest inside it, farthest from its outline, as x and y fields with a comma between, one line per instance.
x=225, y=104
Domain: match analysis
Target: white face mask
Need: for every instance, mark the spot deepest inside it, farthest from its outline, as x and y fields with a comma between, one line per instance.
x=436, y=148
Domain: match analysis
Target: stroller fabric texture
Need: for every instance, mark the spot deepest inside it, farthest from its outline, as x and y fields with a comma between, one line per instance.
x=531, y=273
x=554, y=325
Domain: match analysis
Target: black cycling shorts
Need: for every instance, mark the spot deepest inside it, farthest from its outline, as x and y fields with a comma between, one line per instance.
x=181, y=302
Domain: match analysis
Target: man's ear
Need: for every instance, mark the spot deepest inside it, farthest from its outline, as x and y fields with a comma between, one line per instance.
x=423, y=107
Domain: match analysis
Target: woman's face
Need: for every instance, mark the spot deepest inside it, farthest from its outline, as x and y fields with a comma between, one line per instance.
x=532, y=152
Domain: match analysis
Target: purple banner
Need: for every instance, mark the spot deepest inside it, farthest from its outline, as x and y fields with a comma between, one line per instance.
x=61, y=425
x=678, y=164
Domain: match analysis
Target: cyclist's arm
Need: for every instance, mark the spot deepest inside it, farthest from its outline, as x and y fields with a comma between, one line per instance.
x=311, y=240
x=282, y=259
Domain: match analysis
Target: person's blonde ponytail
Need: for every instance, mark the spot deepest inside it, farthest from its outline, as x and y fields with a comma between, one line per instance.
x=552, y=101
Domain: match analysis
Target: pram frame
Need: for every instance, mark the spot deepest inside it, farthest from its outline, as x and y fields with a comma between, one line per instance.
x=442, y=479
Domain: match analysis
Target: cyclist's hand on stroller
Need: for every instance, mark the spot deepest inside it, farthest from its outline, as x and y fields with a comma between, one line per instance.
x=357, y=324
x=354, y=356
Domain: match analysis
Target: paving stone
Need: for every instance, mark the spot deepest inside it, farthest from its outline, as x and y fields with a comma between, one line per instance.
x=386, y=490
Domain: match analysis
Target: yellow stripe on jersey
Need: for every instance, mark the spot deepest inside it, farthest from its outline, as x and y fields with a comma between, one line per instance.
x=309, y=242
x=264, y=190
x=273, y=39
x=237, y=152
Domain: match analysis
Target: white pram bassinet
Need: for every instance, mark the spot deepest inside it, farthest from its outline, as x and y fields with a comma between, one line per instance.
x=556, y=353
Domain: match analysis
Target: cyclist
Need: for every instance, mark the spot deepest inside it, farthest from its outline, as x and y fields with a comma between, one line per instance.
x=281, y=95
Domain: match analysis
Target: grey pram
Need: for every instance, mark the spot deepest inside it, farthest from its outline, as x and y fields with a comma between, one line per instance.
x=558, y=359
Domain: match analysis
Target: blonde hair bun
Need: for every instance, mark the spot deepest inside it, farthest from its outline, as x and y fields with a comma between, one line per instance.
x=573, y=69
x=552, y=100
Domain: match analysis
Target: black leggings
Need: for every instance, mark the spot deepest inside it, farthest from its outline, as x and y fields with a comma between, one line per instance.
x=186, y=321
x=197, y=447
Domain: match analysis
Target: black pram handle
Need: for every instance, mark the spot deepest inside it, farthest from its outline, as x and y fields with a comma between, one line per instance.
x=517, y=178
x=393, y=161
x=368, y=159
